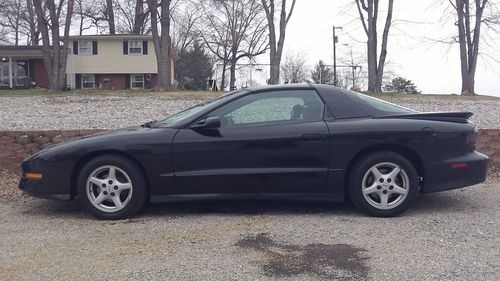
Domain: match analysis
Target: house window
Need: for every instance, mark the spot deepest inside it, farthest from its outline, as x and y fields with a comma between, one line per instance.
x=136, y=81
x=88, y=81
x=85, y=47
x=135, y=47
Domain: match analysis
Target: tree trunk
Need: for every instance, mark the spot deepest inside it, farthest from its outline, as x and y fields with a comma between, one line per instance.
x=54, y=55
x=16, y=39
x=276, y=48
x=232, y=72
x=468, y=39
x=468, y=84
x=163, y=73
x=275, y=71
x=34, y=34
x=223, y=79
x=372, y=65
x=375, y=64
x=161, y=42
x=111, y=17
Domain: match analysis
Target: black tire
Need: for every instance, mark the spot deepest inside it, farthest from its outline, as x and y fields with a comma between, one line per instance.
x=362, y=167
x=135, y=175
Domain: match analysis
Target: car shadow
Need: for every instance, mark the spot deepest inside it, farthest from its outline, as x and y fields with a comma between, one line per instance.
x=244, y=207
x=424, y=204
x=448, y=201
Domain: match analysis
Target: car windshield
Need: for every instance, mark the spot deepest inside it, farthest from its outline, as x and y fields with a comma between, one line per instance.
x=192, y=111
x=381, y=107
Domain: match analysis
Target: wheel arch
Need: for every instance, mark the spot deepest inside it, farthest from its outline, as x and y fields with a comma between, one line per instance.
x=406, y=152
x=91, y=155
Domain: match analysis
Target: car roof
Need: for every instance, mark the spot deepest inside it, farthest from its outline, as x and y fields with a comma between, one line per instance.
x=279, y=87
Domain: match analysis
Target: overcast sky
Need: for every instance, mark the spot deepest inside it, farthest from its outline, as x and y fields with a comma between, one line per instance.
x=434, y=67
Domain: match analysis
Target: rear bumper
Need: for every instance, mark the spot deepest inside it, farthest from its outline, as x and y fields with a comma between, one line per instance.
x=469, y=169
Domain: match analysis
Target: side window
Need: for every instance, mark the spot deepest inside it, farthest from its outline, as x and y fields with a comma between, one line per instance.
x=85, y=47
x=136, y=81
x=272, y=107
x=135, y=47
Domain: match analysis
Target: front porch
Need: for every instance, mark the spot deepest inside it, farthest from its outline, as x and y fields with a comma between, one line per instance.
x=21, y=67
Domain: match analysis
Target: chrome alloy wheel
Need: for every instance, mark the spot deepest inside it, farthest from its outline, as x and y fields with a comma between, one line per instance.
x=385, y=185
x=109, y=188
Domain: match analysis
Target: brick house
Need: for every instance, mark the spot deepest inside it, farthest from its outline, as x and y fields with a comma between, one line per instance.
x=112, y=62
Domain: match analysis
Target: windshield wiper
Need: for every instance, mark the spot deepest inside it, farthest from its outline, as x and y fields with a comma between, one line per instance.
x=150, y=124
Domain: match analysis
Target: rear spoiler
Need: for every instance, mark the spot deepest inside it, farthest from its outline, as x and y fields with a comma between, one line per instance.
x=457, y=117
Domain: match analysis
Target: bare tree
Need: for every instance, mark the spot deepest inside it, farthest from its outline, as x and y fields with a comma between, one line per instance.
x=31, y=21
x=161, y=40
x=11, y=15
x=276, y=45
x=217, y=37
x=54, y=55
x=132, y=16
x=294, y=69
x=17, y=22
x=352, y=75
x=369, y=13
x=96, y=15
x=184, y=31
x=89, y=15
x=3, y=35
x=234, y=30
x=469, y=21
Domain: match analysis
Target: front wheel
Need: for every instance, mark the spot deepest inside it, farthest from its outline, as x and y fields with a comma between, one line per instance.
x=383, y=184
x=111, y=187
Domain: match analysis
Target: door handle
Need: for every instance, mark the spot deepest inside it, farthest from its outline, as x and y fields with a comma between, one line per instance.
x=313, y=137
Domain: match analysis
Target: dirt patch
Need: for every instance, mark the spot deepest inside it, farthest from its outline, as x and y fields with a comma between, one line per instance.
x=336, y=261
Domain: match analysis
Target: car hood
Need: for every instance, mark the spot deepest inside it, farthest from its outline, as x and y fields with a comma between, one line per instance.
x=120, y=139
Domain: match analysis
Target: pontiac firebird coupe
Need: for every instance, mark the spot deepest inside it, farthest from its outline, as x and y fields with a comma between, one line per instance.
x=292, y=142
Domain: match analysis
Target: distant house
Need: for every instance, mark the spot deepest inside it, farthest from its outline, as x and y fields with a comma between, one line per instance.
x=22, y=67
x=112, y=62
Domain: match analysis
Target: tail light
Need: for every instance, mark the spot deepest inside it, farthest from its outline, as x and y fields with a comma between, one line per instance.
x=472, y=138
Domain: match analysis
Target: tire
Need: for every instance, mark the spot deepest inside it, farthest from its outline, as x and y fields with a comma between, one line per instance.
x=111, y=187
x=387, y=193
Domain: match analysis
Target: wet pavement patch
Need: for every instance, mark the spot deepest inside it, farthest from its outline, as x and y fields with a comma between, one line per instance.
x=336, y=261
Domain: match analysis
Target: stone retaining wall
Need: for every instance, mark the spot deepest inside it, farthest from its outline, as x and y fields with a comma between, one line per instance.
x=17, y=145
x=488, y=142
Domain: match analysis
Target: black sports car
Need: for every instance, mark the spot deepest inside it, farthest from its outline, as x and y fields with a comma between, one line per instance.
x=311, y=142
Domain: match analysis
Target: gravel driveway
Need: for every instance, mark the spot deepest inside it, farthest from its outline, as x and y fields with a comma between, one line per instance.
x=445, y=236
x=111, y=112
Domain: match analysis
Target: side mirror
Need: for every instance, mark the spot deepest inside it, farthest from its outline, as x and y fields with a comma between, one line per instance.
x=208, y=123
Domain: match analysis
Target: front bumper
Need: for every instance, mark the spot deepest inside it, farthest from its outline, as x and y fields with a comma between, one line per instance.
x=55, y=183
x=470, y=169
x=37, y=188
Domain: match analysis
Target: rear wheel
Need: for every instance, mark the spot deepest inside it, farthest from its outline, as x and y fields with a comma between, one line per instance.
x=383, y=184
x=111, y=187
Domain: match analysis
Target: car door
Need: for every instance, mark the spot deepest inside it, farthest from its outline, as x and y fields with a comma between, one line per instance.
x=267, y=142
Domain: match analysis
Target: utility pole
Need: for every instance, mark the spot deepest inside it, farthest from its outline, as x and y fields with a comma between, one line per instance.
x=335, y=40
